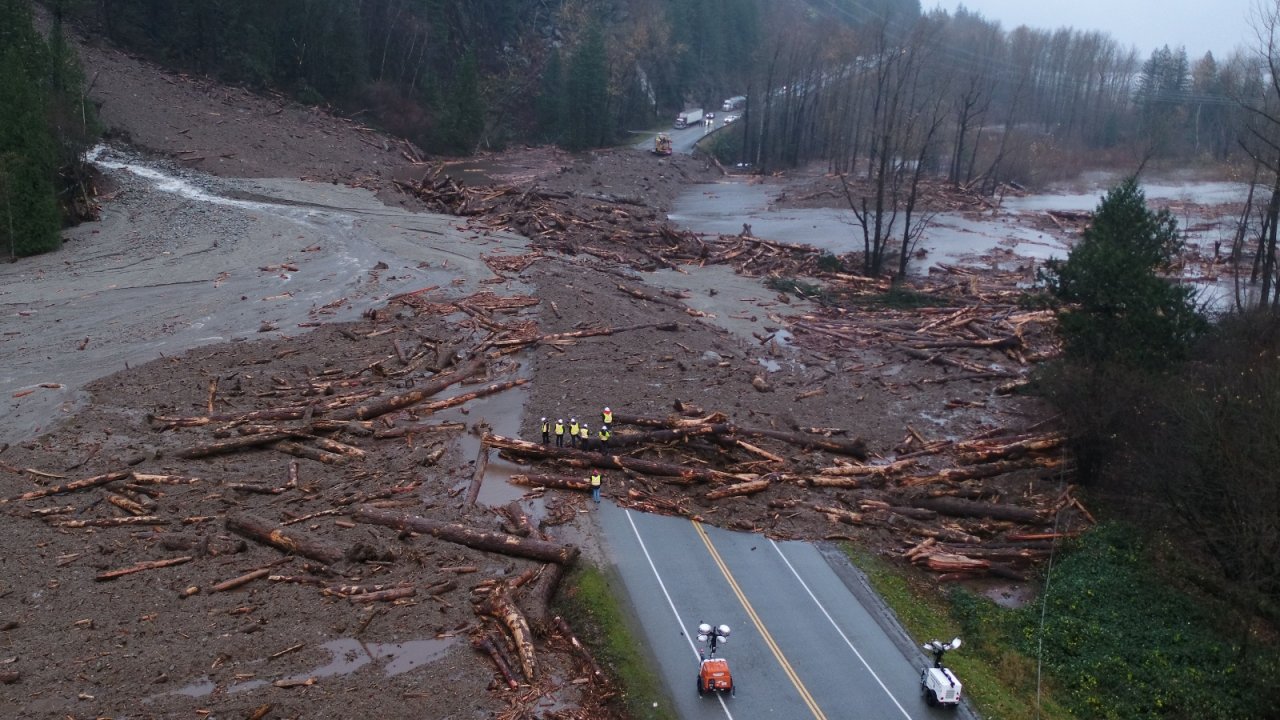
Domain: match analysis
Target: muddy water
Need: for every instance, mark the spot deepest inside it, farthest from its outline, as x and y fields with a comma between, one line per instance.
x=1006, y=238
x=181, y=260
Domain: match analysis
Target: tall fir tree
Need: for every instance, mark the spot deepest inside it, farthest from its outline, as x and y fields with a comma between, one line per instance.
x=587, y=94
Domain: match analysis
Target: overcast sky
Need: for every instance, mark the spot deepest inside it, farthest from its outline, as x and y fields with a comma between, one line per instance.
x=1198, y=25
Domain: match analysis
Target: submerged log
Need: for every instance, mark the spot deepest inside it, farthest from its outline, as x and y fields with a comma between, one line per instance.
x=471, y=537
x=289, y=541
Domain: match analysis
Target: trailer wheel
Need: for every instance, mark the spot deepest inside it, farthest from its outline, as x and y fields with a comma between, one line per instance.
x=700, y=690
x=931, y=698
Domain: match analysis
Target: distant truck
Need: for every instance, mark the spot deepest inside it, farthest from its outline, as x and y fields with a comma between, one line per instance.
x=687, y=118
x=734, y=103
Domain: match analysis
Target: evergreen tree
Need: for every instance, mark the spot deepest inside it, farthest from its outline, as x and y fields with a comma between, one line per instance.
x=29, y=221
x=551, y=101
x=1118, y=307
x=587, y=94
x=466, y=110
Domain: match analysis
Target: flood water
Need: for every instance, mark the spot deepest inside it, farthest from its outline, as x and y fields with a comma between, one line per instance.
x=1007, y=237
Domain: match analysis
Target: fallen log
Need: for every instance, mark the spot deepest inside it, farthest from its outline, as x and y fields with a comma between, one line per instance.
x=990, y=469
x=397, y=593
x=958, y=507
x=477, y=477
x=617, y=462
x=129, y=521
x=289, y=541
x=592, y=332
x=486, y=646
x=499, y=605
x=142, y=566
x=542, y=592
x=72, y=486
x=855, y=447
x=520, y=524
x=558, y=482
x=467, y=397
x=597, y=674
x=971, y=453
x=845, y=470
x=413, y=397
x=751, y=487
x=237, y=443
x=471, y=537
x=244, y=579
x=310, y=453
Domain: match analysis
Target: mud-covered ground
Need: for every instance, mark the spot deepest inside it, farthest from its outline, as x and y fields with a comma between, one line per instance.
x=147, y=645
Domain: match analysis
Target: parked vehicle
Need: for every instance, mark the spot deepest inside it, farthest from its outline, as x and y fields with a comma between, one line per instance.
x=730, y=118
x=938, y=684
x=713, y=672
x=734, y=103
x=687, y=118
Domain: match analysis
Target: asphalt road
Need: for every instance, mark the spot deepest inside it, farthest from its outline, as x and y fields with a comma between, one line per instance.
x=804, y=645
x=682, y=141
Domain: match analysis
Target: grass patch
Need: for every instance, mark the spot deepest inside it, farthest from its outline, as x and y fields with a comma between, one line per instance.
x=998, y=679
x=797, y=287
x=600, y=621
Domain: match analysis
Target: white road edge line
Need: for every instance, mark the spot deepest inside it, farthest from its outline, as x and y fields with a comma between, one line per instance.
x=844, y=637
x=671, y=602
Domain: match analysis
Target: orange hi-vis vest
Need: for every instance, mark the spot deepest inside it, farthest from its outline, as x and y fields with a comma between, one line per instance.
x=595, y=479
x=559, y=428
x=608, y=417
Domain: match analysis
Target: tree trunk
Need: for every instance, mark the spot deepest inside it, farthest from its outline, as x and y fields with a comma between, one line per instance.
x=486, y=540
x=290, y=541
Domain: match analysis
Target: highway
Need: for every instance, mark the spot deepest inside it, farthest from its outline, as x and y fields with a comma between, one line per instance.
x=808, y=641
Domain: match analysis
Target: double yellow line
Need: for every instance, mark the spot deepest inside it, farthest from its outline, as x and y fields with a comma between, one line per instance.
x=764, y=632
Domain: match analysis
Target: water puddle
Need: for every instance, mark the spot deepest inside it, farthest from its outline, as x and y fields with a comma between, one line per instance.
x=347, y=655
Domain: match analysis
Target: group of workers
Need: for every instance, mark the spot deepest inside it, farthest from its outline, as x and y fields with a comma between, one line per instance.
x=580, y=437
x=579, y=433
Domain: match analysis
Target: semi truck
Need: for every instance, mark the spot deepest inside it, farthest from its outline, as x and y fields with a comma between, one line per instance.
x=687, y=118
x=734, y=103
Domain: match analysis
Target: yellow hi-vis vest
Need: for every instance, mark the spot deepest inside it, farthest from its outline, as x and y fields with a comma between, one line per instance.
x=604, y=434
x=573, y=429
x=546, y=427
x=583, y=433
x=559, y=428
x=595, y=479
x=608, y=417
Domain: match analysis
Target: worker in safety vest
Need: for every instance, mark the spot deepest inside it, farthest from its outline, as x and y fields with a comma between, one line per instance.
x=573, y=432
x=595, y=485
x=584, y=437
x=605, y=434
x=559, y=433
x=607, y=416
x=546, y=431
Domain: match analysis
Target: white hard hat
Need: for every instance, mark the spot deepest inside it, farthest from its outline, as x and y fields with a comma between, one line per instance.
x=573, y=419
x=607, y=410
x=559, y=420
x=544, y=419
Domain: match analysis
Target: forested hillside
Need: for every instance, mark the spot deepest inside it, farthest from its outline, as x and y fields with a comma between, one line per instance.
x=44, y=126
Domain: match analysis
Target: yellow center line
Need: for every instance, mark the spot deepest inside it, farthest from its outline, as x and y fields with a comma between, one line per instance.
x=764, y=632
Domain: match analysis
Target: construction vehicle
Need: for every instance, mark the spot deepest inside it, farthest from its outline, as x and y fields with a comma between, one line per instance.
x=687, y=118
x=713, y=672
x=937, y=683
x=662, y=144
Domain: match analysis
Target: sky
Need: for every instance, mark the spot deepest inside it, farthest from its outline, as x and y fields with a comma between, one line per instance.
x=1198, y=25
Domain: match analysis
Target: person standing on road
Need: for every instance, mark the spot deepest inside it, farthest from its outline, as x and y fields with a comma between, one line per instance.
x=606, y=417
x=573, y=432
x=605, y=434
x=596, y=480
x=546, y=432
x=559, y=432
